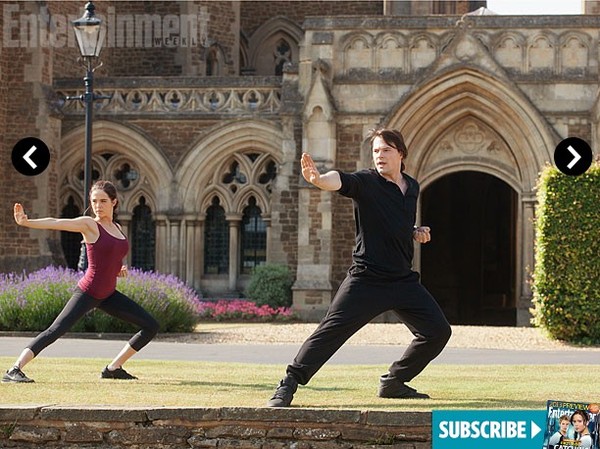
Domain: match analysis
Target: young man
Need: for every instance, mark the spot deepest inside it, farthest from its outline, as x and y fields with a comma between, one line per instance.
x=380, y=277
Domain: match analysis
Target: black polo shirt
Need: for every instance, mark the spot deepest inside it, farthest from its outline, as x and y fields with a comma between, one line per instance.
x=385, y=219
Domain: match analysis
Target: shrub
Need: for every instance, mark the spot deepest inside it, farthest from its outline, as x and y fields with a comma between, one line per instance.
x=566, y=280
x=172, y=303
x=271, y=284
x=237, y=309
x=30, y=302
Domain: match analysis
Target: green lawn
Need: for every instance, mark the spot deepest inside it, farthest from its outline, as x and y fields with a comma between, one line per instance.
x=76, y=382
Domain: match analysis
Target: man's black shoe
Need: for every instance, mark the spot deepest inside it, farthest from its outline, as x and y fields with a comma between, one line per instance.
x=119, y=373
x=390, y=387
x=284, y=393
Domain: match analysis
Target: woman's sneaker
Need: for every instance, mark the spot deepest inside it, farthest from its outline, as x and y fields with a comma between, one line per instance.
x=16, y=375
x=119, y=373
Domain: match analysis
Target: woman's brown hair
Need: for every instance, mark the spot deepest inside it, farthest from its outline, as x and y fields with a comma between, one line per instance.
x=108, y=188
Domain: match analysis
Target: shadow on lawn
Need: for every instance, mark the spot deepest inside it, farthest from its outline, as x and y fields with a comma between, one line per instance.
x=255, y=386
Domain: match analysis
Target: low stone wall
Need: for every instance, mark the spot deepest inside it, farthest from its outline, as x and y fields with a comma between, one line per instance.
x=211, y=428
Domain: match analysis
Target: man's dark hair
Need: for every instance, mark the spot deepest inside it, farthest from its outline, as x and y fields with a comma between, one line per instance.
x=393, y=138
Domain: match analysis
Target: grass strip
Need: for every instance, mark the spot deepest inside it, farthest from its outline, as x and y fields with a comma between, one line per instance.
x=76, y=382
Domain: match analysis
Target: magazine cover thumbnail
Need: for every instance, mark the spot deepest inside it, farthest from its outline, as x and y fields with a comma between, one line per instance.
x=572, y=425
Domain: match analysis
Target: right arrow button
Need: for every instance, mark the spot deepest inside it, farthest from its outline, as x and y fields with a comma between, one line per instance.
x=576, y=157
x=573, y=156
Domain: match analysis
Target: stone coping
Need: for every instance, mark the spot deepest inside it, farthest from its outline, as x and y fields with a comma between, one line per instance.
x=449, y=22
x=143, y=414
x=50, y=426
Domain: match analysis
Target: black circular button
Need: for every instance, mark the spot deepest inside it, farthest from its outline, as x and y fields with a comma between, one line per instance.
x=573, y=156
x=30, y=156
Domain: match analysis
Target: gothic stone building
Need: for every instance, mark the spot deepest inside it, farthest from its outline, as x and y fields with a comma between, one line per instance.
x=212, y=104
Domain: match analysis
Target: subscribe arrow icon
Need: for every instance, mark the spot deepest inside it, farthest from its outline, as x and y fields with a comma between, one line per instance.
x=535, y=429
x=576, y=157
x=27, y=157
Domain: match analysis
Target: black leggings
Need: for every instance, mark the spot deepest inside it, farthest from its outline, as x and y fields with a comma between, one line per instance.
x=117, y=305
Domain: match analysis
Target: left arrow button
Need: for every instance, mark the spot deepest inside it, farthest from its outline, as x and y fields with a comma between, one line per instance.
x=27, y=157
x=30, y=156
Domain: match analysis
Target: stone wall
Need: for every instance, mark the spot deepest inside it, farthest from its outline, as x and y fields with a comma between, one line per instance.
x=255, y=13
x=241, y=428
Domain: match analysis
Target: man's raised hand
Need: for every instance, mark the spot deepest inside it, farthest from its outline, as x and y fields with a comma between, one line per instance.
x=309, y=169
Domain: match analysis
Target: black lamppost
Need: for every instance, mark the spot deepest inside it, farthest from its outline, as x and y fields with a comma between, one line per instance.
x=90, y=37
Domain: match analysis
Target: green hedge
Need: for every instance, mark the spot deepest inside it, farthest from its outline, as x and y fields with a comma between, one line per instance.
x=566, y=280
x=271, y=284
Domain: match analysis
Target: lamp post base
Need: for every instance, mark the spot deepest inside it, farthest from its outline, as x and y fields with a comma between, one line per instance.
x=83, y=262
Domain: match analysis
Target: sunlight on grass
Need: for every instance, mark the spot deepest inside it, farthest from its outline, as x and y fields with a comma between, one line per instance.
x=76, y=382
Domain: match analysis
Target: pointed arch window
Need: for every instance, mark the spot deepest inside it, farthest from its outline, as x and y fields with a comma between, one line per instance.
x=216, y=240
x=282, y=55
x=254, y=238
x=213, y=61
x=71, y=241
x=143, y=244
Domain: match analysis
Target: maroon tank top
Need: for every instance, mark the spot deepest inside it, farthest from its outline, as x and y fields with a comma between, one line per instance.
x=105, y=258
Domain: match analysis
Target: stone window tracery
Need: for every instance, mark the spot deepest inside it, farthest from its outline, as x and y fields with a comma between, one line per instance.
x=216, y=240
x=244, y=184
x=137, y=220
x=214, y=61
x=143, y=242
x=254, y=238
x=281, y=56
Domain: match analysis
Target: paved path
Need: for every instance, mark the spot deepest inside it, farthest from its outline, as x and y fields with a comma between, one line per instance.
x=284, y=353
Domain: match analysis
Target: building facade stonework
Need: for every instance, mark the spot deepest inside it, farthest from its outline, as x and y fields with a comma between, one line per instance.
x=203, y=140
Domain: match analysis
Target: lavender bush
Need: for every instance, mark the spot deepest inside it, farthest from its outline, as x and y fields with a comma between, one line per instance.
x=32, y=301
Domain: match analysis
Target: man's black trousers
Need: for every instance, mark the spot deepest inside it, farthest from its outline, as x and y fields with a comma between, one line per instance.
x=358, y=301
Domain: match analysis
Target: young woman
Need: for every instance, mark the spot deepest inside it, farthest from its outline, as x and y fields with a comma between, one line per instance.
x=580, y=420
x=106, y=247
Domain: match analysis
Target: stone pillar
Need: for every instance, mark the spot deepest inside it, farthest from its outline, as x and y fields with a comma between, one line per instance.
x=194, y=249
x=281, y=238
x=234, y=221
x=174, y=249
x=312, y=289
x=267, y=221
x=527, y=260
x=162, y=243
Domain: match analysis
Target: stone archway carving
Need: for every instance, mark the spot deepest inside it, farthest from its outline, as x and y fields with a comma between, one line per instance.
x=230, y=162
x=265, y=38
x=115, y=147
x=457, y=95
x=154, y=170
x=501, y=133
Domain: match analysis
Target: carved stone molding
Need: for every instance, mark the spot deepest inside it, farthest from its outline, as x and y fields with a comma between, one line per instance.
x=141, y=100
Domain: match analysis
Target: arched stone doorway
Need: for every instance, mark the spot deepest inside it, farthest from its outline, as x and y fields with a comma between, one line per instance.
x=470, y=264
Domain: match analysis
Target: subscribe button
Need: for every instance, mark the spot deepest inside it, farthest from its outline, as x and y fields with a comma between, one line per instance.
x=489, y=429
